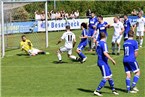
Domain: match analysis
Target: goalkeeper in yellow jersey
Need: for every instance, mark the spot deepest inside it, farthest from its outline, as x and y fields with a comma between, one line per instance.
x=27, y=46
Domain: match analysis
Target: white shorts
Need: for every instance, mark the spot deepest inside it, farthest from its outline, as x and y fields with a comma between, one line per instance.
x=140, y=33
x=64, y=49
x=33, y=51
x=116, y=39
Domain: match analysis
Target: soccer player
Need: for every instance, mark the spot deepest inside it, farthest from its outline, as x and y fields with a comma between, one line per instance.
x=92, y=26
x=127, y=25
x=118, y=33
x=70, y=41
x=83, y=42
x=27, y=46
x=102, y=27
x=103, y=57
x=130, y=64
x=140, y=29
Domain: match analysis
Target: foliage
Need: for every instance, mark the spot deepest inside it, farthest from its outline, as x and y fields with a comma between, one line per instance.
x=99, y=7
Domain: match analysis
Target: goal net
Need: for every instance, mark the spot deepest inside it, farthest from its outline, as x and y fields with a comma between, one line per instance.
x=20, y=18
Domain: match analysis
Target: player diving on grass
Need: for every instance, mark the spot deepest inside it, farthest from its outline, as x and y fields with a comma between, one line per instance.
x=27, y=46
x=140, y=29
x=70, y=41
x=130, y=64
x=83, y=42
x=118, y=33
x=103, y=56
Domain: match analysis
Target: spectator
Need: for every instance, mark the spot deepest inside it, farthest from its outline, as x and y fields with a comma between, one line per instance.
x=58, y=15
x=72, y=16
x=76, y=14
x=66, y=15
x=53, y=15
x=134, y=12
x=42, y=15
x=37, y=15
x=88, y=13
x=140, y=11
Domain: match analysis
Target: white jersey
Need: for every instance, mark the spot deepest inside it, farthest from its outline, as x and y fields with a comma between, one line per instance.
x=140, y=24
x=69, y=37
x=117, y=28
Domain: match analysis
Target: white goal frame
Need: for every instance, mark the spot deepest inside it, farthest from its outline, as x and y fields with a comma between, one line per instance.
x=2, y=20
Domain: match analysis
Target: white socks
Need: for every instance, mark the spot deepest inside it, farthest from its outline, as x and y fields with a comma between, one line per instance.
x=141, y=42
x=118, y=51
x=59, y=56
x=72, y=57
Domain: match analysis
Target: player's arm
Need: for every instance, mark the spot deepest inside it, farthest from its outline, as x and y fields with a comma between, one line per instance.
x=29, y=43
x=122, y=30
x=74, y=43
x=62, y=38
x=85, y=36
x=136, y=53
x=105, y=51
x=59, y=42
x=109, y=57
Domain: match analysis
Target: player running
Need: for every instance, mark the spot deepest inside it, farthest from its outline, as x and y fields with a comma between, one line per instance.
x=83, y=42
x=130, y=64
x=70, y=41
x=27, y=46
x=127, y=25
x=118, y=33
x=140, y=29
x=103, y=57
x=92, y=26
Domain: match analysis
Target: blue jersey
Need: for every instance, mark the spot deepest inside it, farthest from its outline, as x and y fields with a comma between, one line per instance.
x=92, y=22
x=101, y=27
x=130, y=46
x=84, y=33
x=127, y=25
x=101, y=48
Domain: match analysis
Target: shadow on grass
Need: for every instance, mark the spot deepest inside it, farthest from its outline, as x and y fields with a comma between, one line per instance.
x=56, y=62
x=118, y=89
x=22, y=54
x=90, y=91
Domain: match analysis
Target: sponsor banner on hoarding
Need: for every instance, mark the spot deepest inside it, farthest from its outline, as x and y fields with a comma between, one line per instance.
x=54, y=25
x=21, y=27
x=133, y=19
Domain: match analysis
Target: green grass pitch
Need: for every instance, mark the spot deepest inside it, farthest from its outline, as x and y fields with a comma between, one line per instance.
x=39, y=76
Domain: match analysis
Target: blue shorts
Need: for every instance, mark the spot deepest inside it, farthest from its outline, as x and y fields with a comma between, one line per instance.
x=91, y=32
x=105, y=69
x=81, y=46
x=126, y=35
x=131, y=66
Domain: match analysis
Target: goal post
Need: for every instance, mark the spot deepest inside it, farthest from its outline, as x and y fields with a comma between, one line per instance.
x=3, y=23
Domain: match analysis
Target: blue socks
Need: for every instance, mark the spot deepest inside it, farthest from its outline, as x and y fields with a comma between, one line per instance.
x=128, y=84
x=82, y=56
x=135, y=80
x=101, y=85
x=111, y=83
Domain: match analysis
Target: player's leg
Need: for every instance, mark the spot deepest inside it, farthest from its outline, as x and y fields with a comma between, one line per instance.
x=102, y=82
x=70, y=55
x=79, y=52
x=125, y=36
x=61, y=50
x=128, y=77
x=118, y=45
x=113, y=45
x=136, y=70
x=110, y=80
x=90, y=43
x=138, y=37
x=141, y=38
